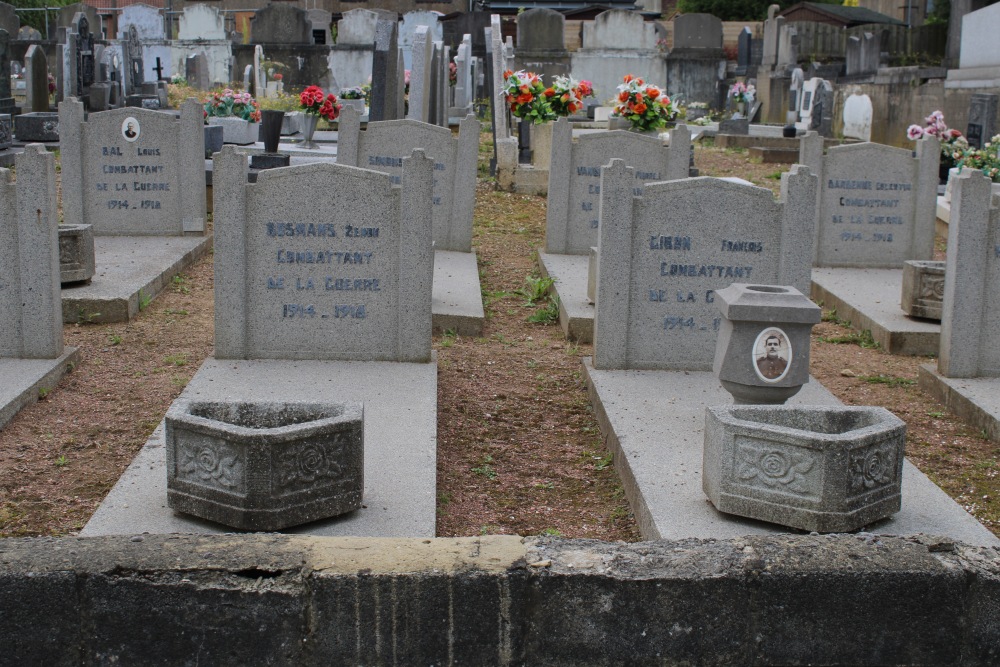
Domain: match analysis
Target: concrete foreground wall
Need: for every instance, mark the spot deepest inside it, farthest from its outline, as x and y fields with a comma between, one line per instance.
x=290, y=600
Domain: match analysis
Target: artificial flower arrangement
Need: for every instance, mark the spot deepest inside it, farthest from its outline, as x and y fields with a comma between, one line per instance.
x=230, y=103
x=566, y=95
x=524, y=93
x=452, y=73
x=353, y=93
x=644, y=105
x=742, y=93
x=985, y=159
x=954, y=146
x=313, y=101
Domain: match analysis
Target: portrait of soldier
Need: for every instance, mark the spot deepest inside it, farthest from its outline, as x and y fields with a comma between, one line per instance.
x=771, y=364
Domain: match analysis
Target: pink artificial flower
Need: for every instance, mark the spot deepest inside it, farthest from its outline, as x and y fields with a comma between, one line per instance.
x=914, y=132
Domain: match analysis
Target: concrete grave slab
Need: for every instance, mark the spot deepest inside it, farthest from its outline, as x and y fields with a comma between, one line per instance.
x=976, y=401
x=400, y=403
x=869, y=299
x=21, y=380
x=654, y=423
x=130, y=270
x=457, y=298
x=569, y=276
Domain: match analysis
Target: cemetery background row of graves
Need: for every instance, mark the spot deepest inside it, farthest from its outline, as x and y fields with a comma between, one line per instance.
x=262, y=334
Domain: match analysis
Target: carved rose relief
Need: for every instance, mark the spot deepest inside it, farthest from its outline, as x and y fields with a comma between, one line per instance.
x=775, y=469
x=215, y=464
x=932, y=287
x=309, y=462
x=872, y=468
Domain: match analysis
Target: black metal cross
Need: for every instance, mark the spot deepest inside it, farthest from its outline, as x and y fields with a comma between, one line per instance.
x=158, y=69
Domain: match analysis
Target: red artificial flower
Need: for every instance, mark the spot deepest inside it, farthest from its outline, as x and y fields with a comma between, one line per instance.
x=549, y=92
x=524, y=98
x=652, y=92
x=623, y=96
x=640, y=108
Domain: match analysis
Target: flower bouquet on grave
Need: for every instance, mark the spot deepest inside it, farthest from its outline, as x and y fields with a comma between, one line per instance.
x=986, y=159
x=524, y=94
x=452, y=73
x=232, y=104
x=353, y=93
x=644, y=105
x=316, y=105
x=566, y=95
x=742, y=95
x=954, y=145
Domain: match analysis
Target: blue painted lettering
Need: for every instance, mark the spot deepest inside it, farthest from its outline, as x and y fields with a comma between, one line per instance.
x=669, y=242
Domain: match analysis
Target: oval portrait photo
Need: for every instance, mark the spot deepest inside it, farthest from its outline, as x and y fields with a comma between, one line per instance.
x=772, y=354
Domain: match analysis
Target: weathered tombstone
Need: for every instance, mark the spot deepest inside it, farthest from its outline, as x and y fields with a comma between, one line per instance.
x=201, y=22
x=697, y=31
x=385, y=144
x=615, y=43
x=29, y=34
x=132, y=171
x=152, y=39
x=743, y=42
x=822, y=118
x=385, y=73
x=970, y=313
x=420, y=75
x=135, y=74
x=36, y=74
x=279, y=23
x=504, y=145
x=247, y=77
x=541, y=45
x=353, y=284
x=772, y=27
x=196, y=71
x=463, y=95
x=788, y=48
x=797, y=79
x=571, y=221
x=7, y=105
x=84, y=54
x=259, y=76
x=982, y=119
x=67, y=17
x=319, y=24
x=663, y=254
x=862, y=54
x=31, y=327
x=876, y=203
x=9, y=20
x=858, y=117
x=412, y=22
x=402, y=83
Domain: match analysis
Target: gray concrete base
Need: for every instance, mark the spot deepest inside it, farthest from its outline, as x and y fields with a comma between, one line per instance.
x=869, y=299
x=456, y=297
x=654, y=423
x=130, y=270
x=976, y=401
x=576, y=313
x=22, y=379
x=400, y=403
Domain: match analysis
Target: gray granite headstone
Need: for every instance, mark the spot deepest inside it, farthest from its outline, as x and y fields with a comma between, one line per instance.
x=132, y=171
x=663, y=255
x=574, y=192
x=697, y=31
x=876, y=202
x=134, y=72
x=8, y=19
x=383, y=146
x=29, y=34
x=196, y=71
x=385, y=73
x=353, y=283
x=772, y=26
x=31, y=327
x=982, y=119
x=84, y=54
x=743, y=42
x=540, y=29
x=280, y=23
x=6, y=97
x=970, y=313
x=420, y=75
x=412, y=21
x=36, y=74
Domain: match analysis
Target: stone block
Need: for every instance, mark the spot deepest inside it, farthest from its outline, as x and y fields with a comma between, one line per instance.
x=76, y=253
x=37, y=126
x=214, y=135
x=264, y=466
x=734, y=126
x=269, y=160
x=824, y=469
x=236, y=130
x=923, y=289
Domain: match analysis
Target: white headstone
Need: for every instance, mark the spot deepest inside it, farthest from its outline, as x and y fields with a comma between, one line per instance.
x=858, y=117
x=201, y=22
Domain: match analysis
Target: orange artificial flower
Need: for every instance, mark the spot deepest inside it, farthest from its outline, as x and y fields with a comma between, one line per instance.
x=652, y=92
x=640, y=108
x=549, y=92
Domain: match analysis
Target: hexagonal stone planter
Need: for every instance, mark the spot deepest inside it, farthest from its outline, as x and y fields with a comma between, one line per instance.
x=76, y=253
x=817, y=468
x=264, y=466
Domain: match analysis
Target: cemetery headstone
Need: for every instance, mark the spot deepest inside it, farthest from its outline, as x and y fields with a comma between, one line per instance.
x=259, y=76
x=615, y=43
x=7, y=105
x=412, y=22
x=196, y=71
x=876, y=203
x=67, y=17
x=384, y=145
x=743, y=42
x=29, y=259
x=36, y=74
x=200, y=22
x=697, y=31
x=420, y=75
x=541, y=44
x=970, y=312
x=280, y=23
x=8, y=19
x=385, y=73
x=663, y=255
x=132, y=171
x=862, y=54
x=84, y=54
x=29, y=34
x=982, y=119
x=354, y=283
x=772, y=27
x=135, y=76
x=858, y=117
x=463, y=94
x=402, y=82
x=319, y=23
x=794, y=96
x=574, y=191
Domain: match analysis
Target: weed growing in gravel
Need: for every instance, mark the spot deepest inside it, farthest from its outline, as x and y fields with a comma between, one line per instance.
x=486, y=470
x=535, y=289
x=144, y=300
x=888, y=380
x=549, y=314
x=863, y=339
x=115, y=339
x=62, y=461
x=448, y=338
x=175, y=359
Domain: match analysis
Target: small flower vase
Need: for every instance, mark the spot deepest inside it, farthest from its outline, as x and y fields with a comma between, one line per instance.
x=309, y=122
x=741, y=109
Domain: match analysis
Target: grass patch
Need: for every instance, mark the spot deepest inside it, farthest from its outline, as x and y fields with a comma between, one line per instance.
x=888, y=380
x=863, y=339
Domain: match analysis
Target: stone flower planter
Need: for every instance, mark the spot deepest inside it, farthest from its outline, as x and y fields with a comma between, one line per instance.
x=923, y=289
x=37, y=126
x=264, y=466
x=816, y=468
x=357, y=104
x=76, y=253
x=236, y=130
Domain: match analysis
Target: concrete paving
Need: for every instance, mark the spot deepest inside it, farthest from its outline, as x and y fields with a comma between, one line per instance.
x=569, y=273
x=975, y=400
x=456, y=296
x=400, y=403
x=130, y=270
x=869, y=299
x=21, y=380
x=654, y=424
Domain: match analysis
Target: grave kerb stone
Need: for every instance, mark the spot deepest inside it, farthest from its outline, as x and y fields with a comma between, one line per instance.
x=662, y=255
x=133, y=171
x=571, y=222
x=970, y=313
x=31, y=327
x=370, y=302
